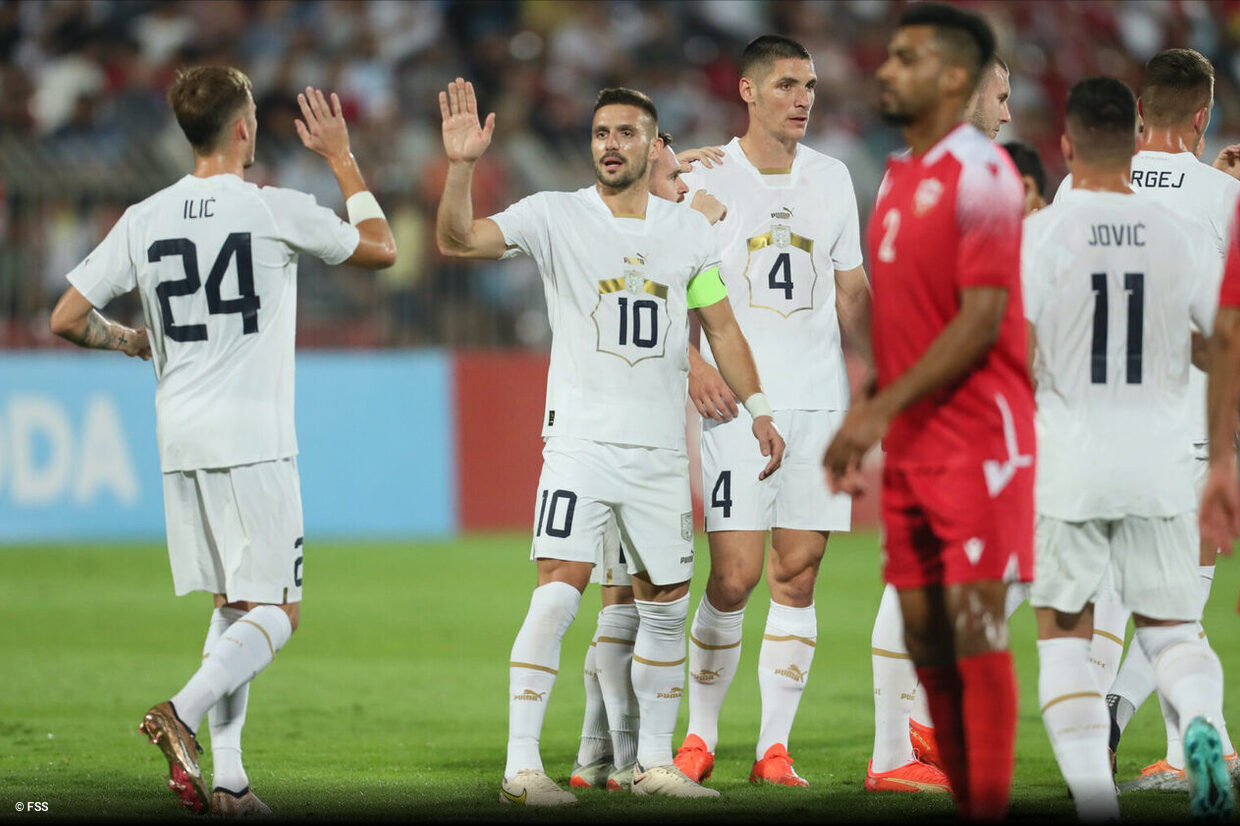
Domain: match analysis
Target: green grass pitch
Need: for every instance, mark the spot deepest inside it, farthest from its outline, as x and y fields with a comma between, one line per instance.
x=390, y=699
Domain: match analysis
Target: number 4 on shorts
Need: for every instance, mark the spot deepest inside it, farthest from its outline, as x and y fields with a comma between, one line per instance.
x=721, y=496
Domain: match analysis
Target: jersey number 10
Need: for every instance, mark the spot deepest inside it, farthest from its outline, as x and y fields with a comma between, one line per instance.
x=1134, y=285
x=236, y=244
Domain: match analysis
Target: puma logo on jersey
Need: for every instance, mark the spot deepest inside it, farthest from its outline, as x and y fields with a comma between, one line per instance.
x=530, y=695
x=999, y=474
x=636, y=260
x=784, y=213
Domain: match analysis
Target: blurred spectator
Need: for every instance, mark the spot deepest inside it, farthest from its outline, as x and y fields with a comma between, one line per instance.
x=85, y=130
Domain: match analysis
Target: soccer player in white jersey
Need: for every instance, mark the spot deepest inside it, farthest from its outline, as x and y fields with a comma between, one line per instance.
x=620, y=270
x=1176, y=100
x=792, y=264
x=1114, y=284
x=608, y=746
x=214, y=260
x=988, y=108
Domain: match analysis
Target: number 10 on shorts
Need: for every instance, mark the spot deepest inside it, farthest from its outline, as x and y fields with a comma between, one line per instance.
x=555, y=512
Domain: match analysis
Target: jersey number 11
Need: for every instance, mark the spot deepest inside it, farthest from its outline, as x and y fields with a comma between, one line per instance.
x=1134, y=285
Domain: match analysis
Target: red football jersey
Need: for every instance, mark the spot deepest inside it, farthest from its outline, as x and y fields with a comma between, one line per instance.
x=944, y=221
x=1229, y=293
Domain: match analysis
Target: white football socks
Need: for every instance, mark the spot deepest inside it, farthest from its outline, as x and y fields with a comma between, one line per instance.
x=244, y=649
x=895, y=686
x=1107, y=645
x=595, y=740
x=613, y=657
x=1189, y=674
x=783, y=669
x=659, y=677
x=227, y=717
x=532, y=667
x=1077, y=723
x=714, y=654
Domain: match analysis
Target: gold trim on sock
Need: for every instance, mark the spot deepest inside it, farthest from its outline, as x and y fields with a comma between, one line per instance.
x=616, y=640
x=709, y=647
x=1074, y=696
x=1107, y=635
x=513, y=664
x=266, y=636
x=645, y=661
x=883, y=652
x=790, y=638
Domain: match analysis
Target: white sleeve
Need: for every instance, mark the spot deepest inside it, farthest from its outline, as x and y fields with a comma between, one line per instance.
x=1064, y=186
x=524, y=226
x=109, y=270
x=1031, y=276
x=1208, y=276
x=307, y=227
x=846, y=250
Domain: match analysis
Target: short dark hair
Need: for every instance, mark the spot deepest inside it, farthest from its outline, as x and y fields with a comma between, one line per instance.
x=995, y=60
x=1101, y=120
x=1177, y=83
x=204, y=99
x=766, y=49
x=1028, y=162
x=666, y=137
x=967, y=36
x=621, y=96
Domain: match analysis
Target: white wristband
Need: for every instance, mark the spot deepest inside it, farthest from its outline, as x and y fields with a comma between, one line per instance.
x=759, y=405
x=362, y=206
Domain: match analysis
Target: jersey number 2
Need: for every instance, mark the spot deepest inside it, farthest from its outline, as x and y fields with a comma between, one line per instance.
x=236, y=244
x=1134, y=285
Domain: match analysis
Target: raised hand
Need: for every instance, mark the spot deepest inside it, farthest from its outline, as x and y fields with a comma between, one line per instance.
x=708, y=156
x=321, y=128
x=464, y=139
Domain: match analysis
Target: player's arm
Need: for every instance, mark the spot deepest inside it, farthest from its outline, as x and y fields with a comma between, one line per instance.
x=1201, y=351
x=1220, y=498
x=710, y=206
x=322, y=130
x=1032, y=352
x=74, y=319
x=852, y=305
x=457, y=233
x=964, y=342
x=736, y=364
x=709, y=393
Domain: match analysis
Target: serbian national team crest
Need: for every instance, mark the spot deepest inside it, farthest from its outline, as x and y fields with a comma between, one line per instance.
x=686, y=526
x=634, y=282
x=928, y=194
x=781, y=236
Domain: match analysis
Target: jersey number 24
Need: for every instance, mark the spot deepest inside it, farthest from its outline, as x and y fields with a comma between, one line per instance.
x=236, y=245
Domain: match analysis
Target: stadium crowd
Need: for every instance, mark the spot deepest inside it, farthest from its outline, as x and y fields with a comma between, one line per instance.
x=85, y=130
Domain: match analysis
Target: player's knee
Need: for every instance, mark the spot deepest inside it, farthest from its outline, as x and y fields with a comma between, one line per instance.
x=729, y=591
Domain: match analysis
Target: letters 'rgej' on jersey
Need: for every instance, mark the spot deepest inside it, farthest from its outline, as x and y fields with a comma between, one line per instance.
x=1206, y=198
x=1113, y=285
x=215, y=262
x=617, y=300
x=785, y=234
x=943, y=222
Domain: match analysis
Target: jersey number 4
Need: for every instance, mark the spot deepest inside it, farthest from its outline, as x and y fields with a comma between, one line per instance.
x=237, y=245
x=1134, y=285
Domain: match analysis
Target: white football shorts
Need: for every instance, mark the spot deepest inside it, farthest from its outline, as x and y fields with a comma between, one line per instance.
x=236, y=531
x=585, y=484
x=1153, y=563
x=612, y=567
x=795, y=496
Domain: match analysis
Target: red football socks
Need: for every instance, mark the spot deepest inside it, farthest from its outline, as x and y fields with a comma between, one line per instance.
x=989, y=704
x=944, y=692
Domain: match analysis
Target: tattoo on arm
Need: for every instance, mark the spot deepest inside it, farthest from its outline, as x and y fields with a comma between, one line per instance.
x=101, y=333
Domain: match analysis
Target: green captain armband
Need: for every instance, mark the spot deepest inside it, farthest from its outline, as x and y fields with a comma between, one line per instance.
x=706, y=288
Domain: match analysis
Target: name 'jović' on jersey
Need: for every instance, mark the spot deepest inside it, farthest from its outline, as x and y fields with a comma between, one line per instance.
x=786, y=233
x=215, y=262
x=617, y=299
x=1113, y=284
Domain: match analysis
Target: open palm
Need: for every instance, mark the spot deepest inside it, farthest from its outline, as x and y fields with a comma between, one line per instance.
x=464, y=138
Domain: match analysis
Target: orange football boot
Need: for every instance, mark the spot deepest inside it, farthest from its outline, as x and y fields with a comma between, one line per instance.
x=775, y=767
x=911, y=777
x=925, y=747
x=693, y=760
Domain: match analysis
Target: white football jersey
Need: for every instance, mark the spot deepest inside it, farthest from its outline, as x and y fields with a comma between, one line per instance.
x=1113, y=285
x=785, y=235
x=616, y=291
x=1204, y=196
x=215, y=262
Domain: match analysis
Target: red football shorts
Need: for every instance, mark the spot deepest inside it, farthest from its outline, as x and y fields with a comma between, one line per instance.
x=942, y=526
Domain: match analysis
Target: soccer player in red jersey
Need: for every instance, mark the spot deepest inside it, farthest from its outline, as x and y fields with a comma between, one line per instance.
x=952, y=401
